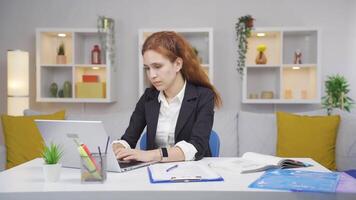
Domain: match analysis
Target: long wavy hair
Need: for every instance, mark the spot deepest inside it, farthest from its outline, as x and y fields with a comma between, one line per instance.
x=172, y=45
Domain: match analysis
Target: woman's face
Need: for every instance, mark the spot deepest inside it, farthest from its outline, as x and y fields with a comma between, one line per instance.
x=160, y=70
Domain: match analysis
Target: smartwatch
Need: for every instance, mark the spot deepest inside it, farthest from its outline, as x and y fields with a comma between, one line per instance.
x=164, y=152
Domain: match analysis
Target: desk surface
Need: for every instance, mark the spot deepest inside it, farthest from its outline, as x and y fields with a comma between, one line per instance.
x=26, y=182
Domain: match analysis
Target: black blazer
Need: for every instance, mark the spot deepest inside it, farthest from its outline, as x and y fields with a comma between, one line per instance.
x=194, y=122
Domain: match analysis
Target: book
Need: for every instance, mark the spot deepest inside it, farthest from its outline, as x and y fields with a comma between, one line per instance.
x=192, y=171
x=297, y=181
x=90, y=78
x=255, y=162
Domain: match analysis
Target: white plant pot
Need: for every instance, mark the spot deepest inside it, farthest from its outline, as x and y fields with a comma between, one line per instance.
x=52, y=172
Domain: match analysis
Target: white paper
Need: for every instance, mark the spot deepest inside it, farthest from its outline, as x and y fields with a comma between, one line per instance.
x=186, y=170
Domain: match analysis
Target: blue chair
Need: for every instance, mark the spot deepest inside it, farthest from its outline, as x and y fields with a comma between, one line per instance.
x=214, y=143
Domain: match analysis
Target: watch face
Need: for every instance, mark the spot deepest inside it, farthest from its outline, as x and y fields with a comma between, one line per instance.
x=164, y=152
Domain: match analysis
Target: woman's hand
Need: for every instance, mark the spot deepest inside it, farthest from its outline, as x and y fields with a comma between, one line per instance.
x=138, y=155
x=116, y=147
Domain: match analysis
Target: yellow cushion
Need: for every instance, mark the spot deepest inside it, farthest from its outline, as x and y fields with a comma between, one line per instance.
x=308, y=136
x=22, y=138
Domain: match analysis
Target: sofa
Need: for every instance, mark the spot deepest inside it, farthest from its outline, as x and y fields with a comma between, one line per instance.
x=239, y=132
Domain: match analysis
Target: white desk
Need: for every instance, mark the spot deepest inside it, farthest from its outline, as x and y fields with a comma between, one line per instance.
x=26, y=182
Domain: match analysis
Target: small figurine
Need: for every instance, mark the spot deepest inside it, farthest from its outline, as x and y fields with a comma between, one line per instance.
x=298, y=57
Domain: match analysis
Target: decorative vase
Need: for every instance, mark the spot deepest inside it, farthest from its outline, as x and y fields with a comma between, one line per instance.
x=67, y=89
x=267, y=95
x=61, y=59
x=261, y=58
x=53, y=89
x=52, y=172
x=304, y=94
x=60, y=93
x=288, y=94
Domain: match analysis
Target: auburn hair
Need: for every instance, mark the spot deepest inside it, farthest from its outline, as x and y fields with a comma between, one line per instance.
x=172, y=45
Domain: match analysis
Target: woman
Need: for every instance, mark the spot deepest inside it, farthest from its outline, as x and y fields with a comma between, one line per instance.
x=178, y=109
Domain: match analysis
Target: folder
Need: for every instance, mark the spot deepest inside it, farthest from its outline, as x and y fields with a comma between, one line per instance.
x=297, y=180
x=192, y=171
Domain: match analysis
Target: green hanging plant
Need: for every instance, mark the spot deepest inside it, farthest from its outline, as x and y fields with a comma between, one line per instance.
x=243, y=31
x=336, y=88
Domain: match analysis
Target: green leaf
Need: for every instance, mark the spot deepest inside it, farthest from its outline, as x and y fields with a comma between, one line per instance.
x=52, y=154
x=337, y=88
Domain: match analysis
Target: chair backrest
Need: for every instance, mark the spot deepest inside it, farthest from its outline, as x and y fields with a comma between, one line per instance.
x=214, y=143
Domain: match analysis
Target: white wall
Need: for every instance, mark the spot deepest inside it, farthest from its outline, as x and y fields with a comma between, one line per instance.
x=351, y=32
x=20, y=18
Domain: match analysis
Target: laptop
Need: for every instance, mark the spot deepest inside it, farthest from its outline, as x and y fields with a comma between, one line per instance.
x=91, y=133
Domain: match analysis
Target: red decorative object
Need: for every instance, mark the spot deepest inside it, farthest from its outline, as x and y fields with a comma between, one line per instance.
x=90, y=78
x=95, y=55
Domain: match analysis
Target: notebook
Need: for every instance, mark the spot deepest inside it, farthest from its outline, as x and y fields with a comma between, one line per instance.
x=190, y=171
x=255, y=162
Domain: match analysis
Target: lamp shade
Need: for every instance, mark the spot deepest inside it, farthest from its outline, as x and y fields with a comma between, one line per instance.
x=17, y=82
x=16, y=105
x=17, y=73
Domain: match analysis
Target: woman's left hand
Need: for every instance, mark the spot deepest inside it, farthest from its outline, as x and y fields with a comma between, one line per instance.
x=138, y=155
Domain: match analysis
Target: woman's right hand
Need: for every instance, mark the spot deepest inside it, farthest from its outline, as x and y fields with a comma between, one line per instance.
x=116, y=148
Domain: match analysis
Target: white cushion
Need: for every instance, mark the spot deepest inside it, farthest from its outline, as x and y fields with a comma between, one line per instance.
x=2, y=157
x=346, y=141
x=257, y=133
x=30, y=112
x=225, y=125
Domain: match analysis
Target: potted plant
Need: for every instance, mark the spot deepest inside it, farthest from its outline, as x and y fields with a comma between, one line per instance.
x=243, y=31
x=51, y=155
x=336, y=89
x=61, y=58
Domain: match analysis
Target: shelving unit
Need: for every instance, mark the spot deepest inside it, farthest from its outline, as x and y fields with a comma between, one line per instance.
x=289, y=83
x=200, y=38
x=78, y=44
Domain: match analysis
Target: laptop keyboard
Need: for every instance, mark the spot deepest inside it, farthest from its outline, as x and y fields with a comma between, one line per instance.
x=124, y=164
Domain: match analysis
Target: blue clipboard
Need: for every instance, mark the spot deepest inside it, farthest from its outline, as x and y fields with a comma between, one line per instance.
x=182, y=179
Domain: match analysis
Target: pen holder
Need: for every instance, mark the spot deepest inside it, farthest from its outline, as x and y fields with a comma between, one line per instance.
x=93, y=168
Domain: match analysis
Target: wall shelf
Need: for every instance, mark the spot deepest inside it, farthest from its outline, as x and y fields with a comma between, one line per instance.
x=290, y=83
x=78, y=44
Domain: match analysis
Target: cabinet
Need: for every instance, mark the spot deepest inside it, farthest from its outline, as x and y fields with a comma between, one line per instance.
x=200, y=38
x=292, y=71
x=87, y=82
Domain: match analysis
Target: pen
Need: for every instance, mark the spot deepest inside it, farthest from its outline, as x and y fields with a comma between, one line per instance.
x=101, y=159
x=171, y=168
x=107, y=143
